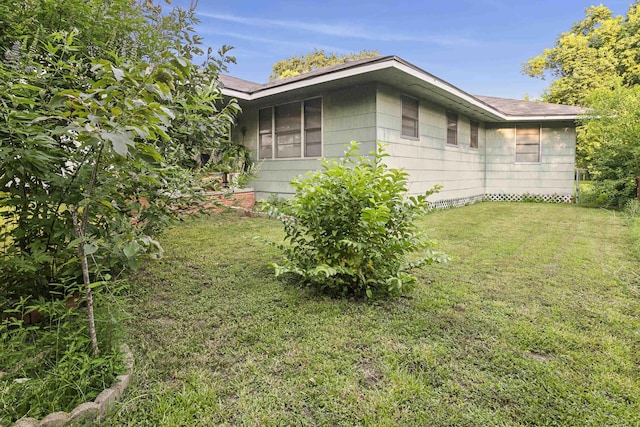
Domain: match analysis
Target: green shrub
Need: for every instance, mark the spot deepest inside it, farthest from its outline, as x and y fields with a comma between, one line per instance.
x=272, y=205
x=350, y=228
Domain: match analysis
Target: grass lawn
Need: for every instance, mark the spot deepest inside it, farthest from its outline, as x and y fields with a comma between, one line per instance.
x=536, y=321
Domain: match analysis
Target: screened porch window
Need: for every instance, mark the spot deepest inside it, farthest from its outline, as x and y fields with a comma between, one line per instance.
x=528, y=144
x=288, y=136
x=292, y=130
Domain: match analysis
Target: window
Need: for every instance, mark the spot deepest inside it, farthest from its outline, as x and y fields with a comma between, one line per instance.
x=265, y=139
x=288, y=136
x=410, y=107
x=473, y=141
x=292, y=130
x=528, y=144
x=452, y=128
x=313, y=128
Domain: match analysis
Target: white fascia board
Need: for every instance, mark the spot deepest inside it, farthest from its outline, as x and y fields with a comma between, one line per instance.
x=566, y=117
x=236, y=94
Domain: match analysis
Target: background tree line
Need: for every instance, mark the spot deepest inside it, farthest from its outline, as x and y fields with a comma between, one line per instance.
x=596, y=64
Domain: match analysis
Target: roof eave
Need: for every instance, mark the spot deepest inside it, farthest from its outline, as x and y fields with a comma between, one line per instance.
x=548, y=118
x=405, y=67
x=236, y=94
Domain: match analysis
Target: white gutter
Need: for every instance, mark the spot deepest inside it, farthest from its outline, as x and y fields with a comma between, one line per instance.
x=541, y=118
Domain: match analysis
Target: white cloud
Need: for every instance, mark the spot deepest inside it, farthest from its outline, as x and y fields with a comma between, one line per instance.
x=260, y=39
x=343, y=30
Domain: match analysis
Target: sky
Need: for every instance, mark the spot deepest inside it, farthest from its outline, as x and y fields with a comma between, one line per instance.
x=477, y=45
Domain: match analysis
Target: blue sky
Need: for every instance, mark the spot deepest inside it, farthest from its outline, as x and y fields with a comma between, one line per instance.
x=476, y=45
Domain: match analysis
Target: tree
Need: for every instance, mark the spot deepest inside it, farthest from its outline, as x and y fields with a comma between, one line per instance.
x=597, y=64
x=613, y=126
x=100, y=108
x=601, y=51
x=312, y=61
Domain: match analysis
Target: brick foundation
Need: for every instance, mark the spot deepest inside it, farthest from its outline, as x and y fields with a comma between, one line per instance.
x=244, y=198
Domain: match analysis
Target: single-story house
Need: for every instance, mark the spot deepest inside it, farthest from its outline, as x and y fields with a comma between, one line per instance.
x=474, y=146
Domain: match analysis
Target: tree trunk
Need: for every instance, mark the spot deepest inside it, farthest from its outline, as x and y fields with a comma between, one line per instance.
x=87, y=281
x=638, y=187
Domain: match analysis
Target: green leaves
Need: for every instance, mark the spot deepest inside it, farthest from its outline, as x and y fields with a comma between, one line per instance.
x=613, y=127
x=350, y=228
x=110, y=133
x=598, y=52
x=118, y=74
x=100, y=106
x=119, y=141
x=314, y=60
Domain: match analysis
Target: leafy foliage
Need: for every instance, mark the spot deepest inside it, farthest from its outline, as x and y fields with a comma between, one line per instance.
x=314, y=60
x=632, y=212
x=350, y=228
x=601, y=51
x=100, y=126
x=597, y=64
x=614, y=129
x=101, y=114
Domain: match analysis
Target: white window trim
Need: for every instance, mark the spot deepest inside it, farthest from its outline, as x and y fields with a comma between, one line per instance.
x=515, y=144
x=403, y=136
x=302, y=136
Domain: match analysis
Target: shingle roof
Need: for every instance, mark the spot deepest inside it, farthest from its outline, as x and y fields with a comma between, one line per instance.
x=250, y=87
x=518, y=107
x=502, y=108
x=238, y=84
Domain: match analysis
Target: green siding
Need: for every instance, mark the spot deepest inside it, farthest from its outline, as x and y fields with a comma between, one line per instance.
x=553, y=175
x=348, y=114
x=372, y=112
x=428, y=160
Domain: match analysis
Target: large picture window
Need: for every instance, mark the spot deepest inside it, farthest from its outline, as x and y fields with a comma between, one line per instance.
x=528, y=144
x=410, y=111
x=291, y=130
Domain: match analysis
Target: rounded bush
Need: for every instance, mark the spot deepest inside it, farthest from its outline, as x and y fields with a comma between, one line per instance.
x=350, y=227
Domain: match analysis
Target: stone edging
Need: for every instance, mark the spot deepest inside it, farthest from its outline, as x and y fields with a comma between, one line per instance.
x=88, y=411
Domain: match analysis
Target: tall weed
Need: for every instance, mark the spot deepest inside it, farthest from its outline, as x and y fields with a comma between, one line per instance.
x=632, y=213
x=48, y=366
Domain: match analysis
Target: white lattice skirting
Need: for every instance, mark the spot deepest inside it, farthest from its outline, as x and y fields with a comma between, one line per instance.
x=454, y=203
x=538, y=198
